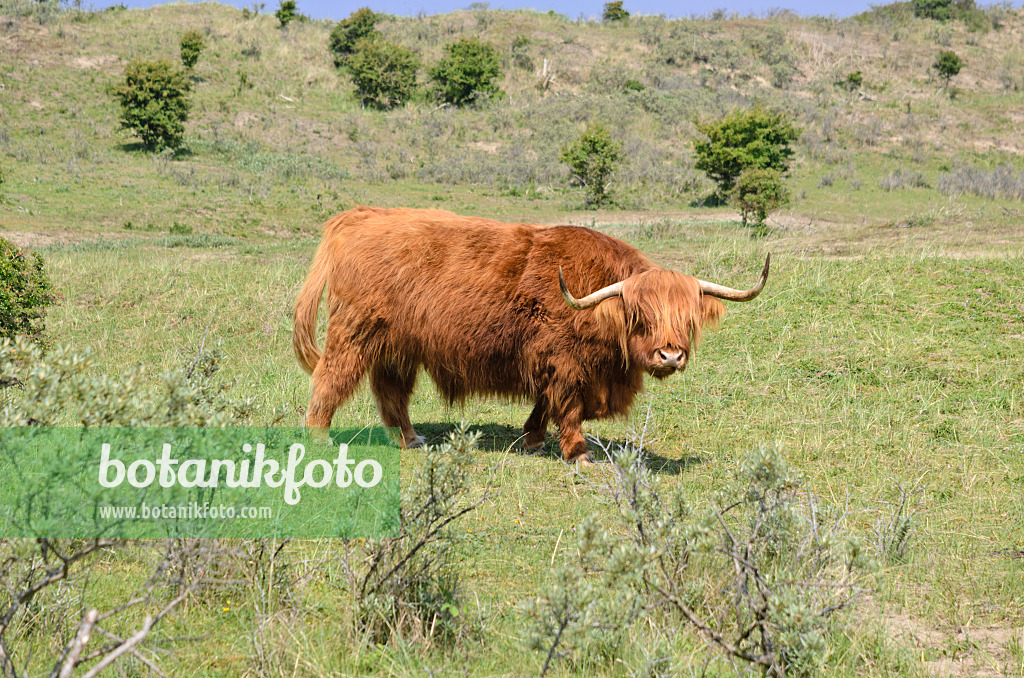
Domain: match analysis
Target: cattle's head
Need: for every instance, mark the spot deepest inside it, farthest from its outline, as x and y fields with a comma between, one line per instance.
x=658, y=314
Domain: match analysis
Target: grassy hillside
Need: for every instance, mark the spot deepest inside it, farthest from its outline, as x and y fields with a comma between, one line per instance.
x=883, y=356
x=297, y=146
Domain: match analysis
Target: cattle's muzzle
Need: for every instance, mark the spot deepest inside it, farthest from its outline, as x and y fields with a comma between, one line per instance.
x=670, y=358
x=666, y=361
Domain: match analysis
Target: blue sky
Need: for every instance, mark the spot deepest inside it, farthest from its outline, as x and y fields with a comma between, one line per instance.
x=325, y=9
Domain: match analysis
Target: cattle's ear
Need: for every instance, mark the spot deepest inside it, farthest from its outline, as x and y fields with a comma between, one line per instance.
x=711, y=311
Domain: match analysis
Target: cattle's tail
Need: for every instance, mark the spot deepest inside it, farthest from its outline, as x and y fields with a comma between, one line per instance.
x=307, y=306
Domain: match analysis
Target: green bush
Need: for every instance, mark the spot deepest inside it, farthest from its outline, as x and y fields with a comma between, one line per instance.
x=192, y=46
x=940, y=10
x=25, y=292
x=853, y=81
x=154, y=102
x=948, y=65
x=384, y=73
x=520, y=51
x=468, y=71
x=756, y=138
x=360, y=24
x=287, y=12
x=614, y=11
x=757, y=193
x=592, y=158
x=946, y=10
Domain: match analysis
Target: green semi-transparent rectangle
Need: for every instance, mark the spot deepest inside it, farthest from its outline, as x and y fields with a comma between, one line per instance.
x=210, y=482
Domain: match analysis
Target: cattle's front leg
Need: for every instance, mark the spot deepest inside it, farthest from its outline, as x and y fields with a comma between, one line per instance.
x=536, y=427
x=572, y=442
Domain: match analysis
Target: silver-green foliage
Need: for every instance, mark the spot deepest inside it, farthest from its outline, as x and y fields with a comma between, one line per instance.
x=61, y=388
x=409, y=586
x=756, y=571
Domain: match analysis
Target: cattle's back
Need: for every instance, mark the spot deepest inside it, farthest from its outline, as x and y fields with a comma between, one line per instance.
x=464, y=296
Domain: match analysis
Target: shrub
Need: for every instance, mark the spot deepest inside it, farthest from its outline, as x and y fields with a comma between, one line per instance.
x=48, y=627
x=409, y=585
x=520, y=50
x=1002, y=182
x=945, y=10
x=772, y=47
x=59, y=387
x=468, y=71
x=252, y=49
x=25, y=292
x=940, y=10
x=360, y=24
x=287, y=12
x=62, y=388
x=902, y=178
x=592, y=158
x=384, y=73
x=192, y=46
x=154, y=102
x=758, y=193
x=853, y=81
x=759, y=571
x=894, y=534
x=614, y=11
x=948, y=65
x=756, y=138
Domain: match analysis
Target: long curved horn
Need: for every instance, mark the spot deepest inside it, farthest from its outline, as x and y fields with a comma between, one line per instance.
x=728, y=293
x=591, y=300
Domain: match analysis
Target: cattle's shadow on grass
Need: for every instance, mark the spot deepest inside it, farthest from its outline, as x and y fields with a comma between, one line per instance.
x=501, y=437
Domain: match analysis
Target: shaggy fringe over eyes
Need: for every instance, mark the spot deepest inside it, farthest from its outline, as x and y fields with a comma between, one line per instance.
x=671, y=306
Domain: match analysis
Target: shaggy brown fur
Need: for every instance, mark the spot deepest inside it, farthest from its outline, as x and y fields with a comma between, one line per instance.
x=477, y=304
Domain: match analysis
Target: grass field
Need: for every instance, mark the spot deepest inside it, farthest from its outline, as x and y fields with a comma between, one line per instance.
x=885, y=353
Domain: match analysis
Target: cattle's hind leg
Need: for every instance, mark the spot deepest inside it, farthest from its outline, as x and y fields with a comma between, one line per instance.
x=334, y=379
x=392, y=387
x=536, y=426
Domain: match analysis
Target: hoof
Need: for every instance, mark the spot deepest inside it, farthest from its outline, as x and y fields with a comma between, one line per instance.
x=415, y=441
x=582, y=460
x=532, y=447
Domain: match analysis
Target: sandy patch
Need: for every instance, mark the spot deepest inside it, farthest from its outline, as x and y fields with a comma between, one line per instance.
x=93, y=62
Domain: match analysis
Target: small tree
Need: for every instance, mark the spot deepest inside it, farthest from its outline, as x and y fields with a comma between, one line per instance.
x=384, y=73
x=758, y=193
x=360, y=24
x=757, y=138
x=614, y=11
x=25, y=292
x=520, y=50
x=853, y=81
x=467, y=71
x=948, y=65
x=940, y=10
x=592, y=159
x=154, y=102
x=192, y=46
x=287, y=12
